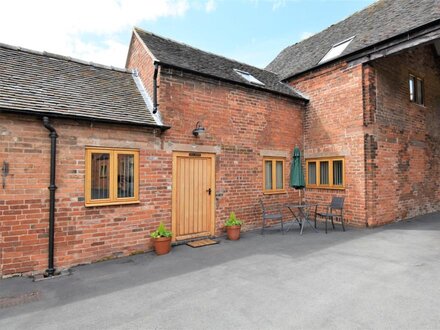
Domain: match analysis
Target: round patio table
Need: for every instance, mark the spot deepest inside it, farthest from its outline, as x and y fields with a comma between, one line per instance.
x=302, y=214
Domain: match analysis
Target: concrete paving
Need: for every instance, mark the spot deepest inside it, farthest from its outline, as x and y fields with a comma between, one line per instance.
x=383, y=278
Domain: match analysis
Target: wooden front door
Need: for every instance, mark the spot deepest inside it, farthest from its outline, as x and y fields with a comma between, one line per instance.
x=193, y=195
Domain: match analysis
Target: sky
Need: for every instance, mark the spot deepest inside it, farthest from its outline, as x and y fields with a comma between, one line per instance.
x=250, y=31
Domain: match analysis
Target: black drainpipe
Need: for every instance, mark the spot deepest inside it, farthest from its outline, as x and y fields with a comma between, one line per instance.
x=52, y=187
x=155, y=87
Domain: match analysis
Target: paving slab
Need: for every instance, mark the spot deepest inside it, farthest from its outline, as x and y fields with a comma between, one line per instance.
x=382, y=278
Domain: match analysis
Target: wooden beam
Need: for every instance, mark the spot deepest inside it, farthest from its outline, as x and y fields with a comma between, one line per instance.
x=430, y=36
x=437, y=47
x=422, y=40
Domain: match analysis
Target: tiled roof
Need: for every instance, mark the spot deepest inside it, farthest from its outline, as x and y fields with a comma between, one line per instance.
x=180, y=55
x=379, y=22
x=45, y=83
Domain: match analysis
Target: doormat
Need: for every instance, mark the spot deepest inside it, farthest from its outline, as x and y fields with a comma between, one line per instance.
x=202, y=242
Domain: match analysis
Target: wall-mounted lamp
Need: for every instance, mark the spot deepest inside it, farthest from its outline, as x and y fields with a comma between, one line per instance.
x=199, y=130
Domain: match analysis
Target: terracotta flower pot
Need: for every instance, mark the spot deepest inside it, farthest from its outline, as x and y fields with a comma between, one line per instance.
x=162, y=245
x=233, y=232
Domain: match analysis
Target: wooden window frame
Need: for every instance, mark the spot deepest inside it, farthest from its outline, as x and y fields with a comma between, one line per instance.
x=274, y=190
x=113, y=177
x=416, y=78
x=330, y=161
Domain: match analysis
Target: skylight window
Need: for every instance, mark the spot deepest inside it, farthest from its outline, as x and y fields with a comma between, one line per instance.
x=248, y=77
x=336, y=50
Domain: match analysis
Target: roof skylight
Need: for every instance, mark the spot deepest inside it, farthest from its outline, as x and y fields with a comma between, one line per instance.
x=336, y=50
x=248, y=77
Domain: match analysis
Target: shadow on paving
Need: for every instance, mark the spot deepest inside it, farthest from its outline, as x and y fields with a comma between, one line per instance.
x=423, y=222
x=110, y=276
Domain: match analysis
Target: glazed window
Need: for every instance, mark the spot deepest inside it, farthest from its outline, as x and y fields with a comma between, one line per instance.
x=248, y=77
x=112, y=176
x=273, y=174
x=325, y=173
x=416, y=90
x=336, y=50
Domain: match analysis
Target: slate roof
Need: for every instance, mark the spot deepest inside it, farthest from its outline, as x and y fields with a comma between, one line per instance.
x=378, y=22
x=44, y=83
x=176, y=54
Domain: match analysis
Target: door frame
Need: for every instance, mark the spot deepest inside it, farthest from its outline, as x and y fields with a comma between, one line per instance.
x=176, y=155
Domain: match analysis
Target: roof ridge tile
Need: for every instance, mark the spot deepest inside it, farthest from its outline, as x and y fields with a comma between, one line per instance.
x=44, y=83
x=201, y=50
x=64, y=58
x=180, y=55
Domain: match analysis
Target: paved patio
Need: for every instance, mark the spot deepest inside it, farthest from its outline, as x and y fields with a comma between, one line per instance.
x=361, y=279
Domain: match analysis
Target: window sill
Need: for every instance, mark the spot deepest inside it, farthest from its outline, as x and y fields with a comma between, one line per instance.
x=325, y=187
x=111, y=203
x=274, y=192
x=418, y=104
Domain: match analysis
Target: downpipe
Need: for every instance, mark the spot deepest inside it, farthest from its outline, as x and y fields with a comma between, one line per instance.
x=155, y=87
x=52, y=188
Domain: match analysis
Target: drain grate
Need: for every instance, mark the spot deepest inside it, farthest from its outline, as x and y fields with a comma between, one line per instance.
x=21, y=299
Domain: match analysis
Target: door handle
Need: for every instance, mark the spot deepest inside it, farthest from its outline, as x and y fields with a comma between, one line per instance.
x=209, y=191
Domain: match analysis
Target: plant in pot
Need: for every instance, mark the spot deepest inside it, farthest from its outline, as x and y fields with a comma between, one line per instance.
x=162, y=239
x=233, y=227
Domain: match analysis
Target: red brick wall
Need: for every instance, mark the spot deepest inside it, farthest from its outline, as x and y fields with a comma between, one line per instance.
x=333, y=126
x=240, y=122
x=139, y=58
x=391, y=145
x=82, y=234
x=370, y=145
x=405, y=140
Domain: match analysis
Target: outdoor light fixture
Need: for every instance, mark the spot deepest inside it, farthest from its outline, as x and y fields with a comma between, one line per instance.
x=198, y=130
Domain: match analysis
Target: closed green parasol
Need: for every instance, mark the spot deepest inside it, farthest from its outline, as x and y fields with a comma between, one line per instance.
x=296, y=171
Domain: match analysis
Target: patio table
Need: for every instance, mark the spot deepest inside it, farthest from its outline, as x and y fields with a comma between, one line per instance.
x=302, y=214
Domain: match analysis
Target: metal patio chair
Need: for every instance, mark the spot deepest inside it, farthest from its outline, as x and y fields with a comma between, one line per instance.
x=334, y=210
x=271, y=213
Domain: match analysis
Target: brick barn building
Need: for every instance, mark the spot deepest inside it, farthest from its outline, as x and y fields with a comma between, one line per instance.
x=361, y=99
x=373, y=83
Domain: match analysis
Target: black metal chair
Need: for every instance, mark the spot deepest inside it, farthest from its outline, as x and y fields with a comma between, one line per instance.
x=334, y=210
x=271, y=213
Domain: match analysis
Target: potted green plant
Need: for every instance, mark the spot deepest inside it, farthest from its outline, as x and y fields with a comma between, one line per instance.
x=233, y=227
x=162, y=239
